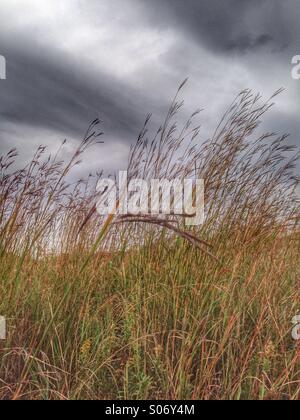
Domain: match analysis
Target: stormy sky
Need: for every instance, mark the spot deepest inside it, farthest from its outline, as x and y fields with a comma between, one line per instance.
x=71, y=61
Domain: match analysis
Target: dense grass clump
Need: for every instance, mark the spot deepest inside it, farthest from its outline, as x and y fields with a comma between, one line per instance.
x=143, y=307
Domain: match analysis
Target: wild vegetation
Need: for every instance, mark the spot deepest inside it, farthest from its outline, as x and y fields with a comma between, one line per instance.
x=146, y=308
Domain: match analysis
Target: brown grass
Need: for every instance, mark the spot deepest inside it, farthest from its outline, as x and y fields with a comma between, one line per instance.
x=144, y=308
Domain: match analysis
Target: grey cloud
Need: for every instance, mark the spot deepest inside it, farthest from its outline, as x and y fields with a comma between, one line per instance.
x=245, y=43
x=47, y=89
x=227, y=26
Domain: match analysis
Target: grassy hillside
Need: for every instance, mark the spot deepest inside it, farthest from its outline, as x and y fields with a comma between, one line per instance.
x=120, y=311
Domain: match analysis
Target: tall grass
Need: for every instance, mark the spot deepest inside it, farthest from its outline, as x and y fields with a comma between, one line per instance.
x=140, y=307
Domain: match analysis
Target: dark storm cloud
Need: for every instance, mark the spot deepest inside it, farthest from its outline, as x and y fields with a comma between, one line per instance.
x=144, y=49
x=247, y=43
x=48, y=89
x=226, y=26
x=266, y=30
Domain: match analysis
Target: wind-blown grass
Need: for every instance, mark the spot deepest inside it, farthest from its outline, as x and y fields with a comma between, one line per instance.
x=140, y=307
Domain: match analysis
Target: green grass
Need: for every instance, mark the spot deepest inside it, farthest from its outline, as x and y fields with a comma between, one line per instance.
x=151, y=314
x=156, y=323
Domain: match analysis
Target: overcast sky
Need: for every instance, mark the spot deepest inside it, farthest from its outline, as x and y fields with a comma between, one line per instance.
x=73, y=60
